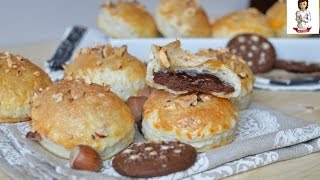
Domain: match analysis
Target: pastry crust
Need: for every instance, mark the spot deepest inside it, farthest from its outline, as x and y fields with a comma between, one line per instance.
x=201, y=120
x=109, y=66
x=182, y=18
x=70, y=113
x=19, y=79
x=125, y=19
x=172, y=57
x=245, y=21
x=243, y=71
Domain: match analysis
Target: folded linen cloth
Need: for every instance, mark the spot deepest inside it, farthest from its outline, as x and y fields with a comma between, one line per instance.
x=263, y=137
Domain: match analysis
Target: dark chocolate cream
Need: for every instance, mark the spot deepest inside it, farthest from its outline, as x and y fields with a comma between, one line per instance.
x=191, y=82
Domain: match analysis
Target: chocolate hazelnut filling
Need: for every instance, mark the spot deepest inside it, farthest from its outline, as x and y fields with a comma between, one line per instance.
x=192, y=82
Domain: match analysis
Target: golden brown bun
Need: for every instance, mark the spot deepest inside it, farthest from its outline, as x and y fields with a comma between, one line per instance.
x=126, y=20
x=109, y=66
x=70, y=113
x=239, y=66
x=19, y=79
x=201, y=120
x=277, y=19
x=245, y=21
x=182, y=18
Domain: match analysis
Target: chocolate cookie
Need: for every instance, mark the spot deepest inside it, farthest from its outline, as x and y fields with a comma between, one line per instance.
x=297, y=66
x=151, y=159
x=257, y=51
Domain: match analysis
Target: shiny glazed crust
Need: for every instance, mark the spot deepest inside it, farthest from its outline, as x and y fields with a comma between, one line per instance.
x=126, y=20
x=201, y=120
x=70, y=113
x=182, y=18
x=19, y=79
x=109, y=66
x=245, y=21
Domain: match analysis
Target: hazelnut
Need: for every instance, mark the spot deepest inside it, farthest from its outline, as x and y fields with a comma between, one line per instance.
x=135, y=104
x=35, y=136
x=83, y=157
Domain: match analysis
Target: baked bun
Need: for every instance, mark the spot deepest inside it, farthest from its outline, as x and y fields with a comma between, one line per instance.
x=126, y=20
x=70, y=113
x=245, y=21
x=182, y=18
x=240, y=67
x=201, y=120
x=109, y=66
x=19, y=79
x=179, y=72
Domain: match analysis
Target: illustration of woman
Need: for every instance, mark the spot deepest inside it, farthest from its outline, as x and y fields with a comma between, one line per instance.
x=303, y=16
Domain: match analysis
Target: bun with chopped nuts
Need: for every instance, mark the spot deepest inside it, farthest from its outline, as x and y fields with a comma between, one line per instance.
x=179, y=72
x=109, y=66
x=200, y=120
x=19, y=79
x=244, y=21
x=125, y=19
x=243, y=71
x=70, y=113
x=182, y=18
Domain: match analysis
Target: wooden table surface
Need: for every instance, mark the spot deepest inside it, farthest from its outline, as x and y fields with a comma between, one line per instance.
x=302, y=104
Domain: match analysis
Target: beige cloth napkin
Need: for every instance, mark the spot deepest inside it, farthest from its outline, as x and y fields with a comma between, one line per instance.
x=263, y=136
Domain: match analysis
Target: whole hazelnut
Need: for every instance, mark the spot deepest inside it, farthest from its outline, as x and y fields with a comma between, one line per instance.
x=84, y=157
x=135, y=104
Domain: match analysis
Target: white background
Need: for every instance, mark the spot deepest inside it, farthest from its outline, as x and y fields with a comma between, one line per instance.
x=27, y=21
x=292, y=8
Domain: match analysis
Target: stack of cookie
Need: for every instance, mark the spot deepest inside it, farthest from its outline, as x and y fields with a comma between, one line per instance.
x=197, y=96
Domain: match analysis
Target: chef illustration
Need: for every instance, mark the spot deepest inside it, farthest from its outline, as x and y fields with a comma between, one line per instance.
x=303, y=16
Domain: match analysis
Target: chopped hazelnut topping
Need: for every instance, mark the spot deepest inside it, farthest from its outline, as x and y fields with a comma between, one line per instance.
x=164, y=59
x=170, y=105
x=121, y=51
x=22, y=68
x=242, y=74
x=232, y=65
x=87, y=81
x=69, y=78
x=19, y=58
x=19, y=73
x=85, y=50
x=101, y=132
x=101, y=95
x=37, y=73
x=10, y=63
x=204, y=97
x=107, y=51
x=4, y=55
x=98, y=63
x=76, y=93
x=186, y=101
x=57, y=97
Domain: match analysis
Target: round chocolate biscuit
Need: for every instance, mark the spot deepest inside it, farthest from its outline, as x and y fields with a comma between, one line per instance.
x=297, y=66
x=256, y=50
x=151, y=159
